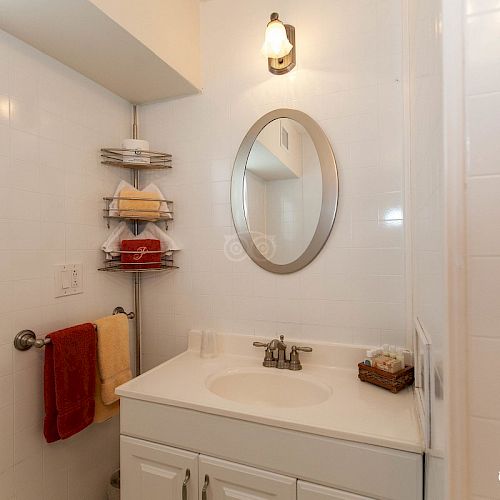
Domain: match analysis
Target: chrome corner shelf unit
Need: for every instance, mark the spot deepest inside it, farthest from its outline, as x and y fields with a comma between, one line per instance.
x=116, y=157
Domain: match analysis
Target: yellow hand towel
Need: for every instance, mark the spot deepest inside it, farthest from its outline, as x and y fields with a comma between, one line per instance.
x=143, y=205
x=103, y=412
x=113, y=357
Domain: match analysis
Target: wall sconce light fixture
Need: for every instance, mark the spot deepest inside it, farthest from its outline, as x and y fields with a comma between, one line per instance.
x=279, y=46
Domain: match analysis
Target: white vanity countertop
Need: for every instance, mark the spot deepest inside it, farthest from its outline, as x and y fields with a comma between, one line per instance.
x=355, y=411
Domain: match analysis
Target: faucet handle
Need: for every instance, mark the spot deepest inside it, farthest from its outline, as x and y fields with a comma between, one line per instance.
x=303, y=349
x=269, y=361
x=295, y=363
x=261, y=344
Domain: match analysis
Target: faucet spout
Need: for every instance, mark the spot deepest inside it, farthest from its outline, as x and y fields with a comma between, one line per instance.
x=277, y=344
x=280, y=345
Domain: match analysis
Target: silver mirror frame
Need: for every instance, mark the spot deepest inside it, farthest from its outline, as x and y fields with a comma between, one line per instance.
x=330, y=191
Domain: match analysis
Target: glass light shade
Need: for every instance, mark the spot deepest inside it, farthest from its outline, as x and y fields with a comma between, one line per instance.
x=276, y=43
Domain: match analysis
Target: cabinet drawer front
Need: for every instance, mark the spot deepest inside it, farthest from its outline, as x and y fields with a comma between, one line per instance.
x=227, y=480
x=156, y=472
x=308, y=491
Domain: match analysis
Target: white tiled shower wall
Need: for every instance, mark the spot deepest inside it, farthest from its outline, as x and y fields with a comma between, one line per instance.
x=348, y=78
x=52, y=123
x=428, y=223
x=483, y=216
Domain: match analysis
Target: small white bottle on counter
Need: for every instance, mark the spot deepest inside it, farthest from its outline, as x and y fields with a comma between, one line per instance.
x=408, y=357
x=400, y=356
x=371, y=354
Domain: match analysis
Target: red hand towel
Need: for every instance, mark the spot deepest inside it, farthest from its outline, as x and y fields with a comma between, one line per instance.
x=139, y=258
x=69, y=381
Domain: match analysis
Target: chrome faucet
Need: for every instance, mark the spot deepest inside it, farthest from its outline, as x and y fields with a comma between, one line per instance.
x=281, y=362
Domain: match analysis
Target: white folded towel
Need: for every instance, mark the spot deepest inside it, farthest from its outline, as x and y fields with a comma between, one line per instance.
x=153, y=188
x=112, y=245
x=152, y=231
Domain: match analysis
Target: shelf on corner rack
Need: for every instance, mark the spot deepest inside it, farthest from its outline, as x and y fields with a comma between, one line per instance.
x=116, y=265
x=117, y=157
x=131, y=214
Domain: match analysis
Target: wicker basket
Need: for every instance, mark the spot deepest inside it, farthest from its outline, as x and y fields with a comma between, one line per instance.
x=393, y=382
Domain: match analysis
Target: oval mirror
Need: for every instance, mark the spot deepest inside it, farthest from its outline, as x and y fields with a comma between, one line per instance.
x=284, y=191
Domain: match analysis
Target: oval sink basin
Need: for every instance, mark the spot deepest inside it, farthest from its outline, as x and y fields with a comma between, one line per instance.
x=268, y=387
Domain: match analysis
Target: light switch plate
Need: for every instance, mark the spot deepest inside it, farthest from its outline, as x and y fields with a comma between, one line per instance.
x=68, y=279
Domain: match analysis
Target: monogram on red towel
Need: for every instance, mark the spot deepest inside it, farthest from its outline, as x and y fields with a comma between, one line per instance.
x=141, y=254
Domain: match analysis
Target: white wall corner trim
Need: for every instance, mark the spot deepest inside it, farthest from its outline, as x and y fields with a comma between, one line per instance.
x=455, y=160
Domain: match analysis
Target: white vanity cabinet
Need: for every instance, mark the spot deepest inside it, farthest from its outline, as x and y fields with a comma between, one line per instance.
x=272, y=460
x=309, y=491
x=225, y=480
x=151, y=471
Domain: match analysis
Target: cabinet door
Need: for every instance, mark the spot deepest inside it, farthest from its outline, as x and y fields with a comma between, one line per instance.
x=227, y=480
x=309, y=491
x=152, y=471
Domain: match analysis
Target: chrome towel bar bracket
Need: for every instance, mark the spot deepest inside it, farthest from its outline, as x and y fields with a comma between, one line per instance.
x=120, y=310
x=26, y=339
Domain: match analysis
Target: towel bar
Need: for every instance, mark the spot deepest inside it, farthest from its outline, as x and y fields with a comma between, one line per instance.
x=26, y=339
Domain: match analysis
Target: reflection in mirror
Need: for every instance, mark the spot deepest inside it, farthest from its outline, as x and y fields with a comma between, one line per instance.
x=282, y=191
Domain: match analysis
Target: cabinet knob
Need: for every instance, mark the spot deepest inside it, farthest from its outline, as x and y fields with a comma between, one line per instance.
x=205, y=488
x=187, y=477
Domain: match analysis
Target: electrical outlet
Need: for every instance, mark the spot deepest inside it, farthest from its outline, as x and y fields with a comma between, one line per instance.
x=75, y=278
x=68, y=279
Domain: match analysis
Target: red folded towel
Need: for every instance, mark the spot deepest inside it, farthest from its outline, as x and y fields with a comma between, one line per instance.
x=145, y=254
x=69, y=381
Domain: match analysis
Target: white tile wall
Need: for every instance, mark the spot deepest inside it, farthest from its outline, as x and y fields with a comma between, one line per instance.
x=484, y=148
x=428, y=223
x=52, y=124
x=348, y=78
x=483, y=213
x=427, y=173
